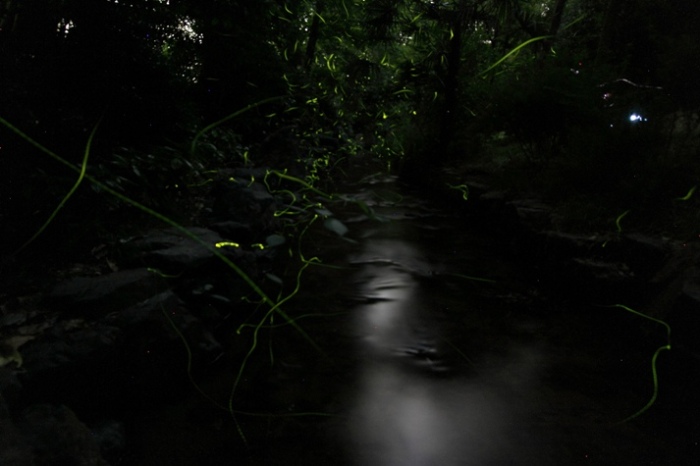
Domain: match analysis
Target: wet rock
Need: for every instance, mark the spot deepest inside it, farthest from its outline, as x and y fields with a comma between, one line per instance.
x=243, y=201
x=110, y=435
x=173, y=250
x=684, y=317
x=14, y=450
x=9, y=384
x=492, y=196
x=645, y=254
x=235, y=231
x=102, y=342
x=46, y=435
x=97, y=296
x=141, y=349
x=56, y=436
x=68, y=343
x=149, y=310
x=691, y=288
x=533, y=213
x=609, y=273
x=565, y=245
x=157, y=318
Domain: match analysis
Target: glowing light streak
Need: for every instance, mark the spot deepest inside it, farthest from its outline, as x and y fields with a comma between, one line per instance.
x=463, y=188
x=226, y=244
x=654, y=373
x=689, y=195
x=619, y=218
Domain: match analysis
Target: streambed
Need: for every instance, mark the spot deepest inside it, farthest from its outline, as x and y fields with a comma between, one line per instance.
x=437, y=347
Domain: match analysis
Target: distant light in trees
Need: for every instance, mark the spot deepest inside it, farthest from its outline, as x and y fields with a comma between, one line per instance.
x=63, y=27
x=187, y=27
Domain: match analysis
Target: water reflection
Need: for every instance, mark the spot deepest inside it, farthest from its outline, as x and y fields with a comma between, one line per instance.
x=404, y=414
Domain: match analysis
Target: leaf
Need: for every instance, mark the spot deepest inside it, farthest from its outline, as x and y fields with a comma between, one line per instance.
x=9, y=347
x=324, y=212
x=274, y=278
x=275, y=240
x=336, y=226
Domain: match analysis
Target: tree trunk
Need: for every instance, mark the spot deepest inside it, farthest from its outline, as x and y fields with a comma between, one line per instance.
x=556, y=17
x=449, y=112
x=313, y=36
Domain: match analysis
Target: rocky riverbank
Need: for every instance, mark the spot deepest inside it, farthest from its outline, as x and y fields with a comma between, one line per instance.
x=656, y=275
x=124, y=331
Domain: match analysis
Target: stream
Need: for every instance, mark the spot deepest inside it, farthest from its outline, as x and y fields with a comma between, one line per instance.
x=437, y=347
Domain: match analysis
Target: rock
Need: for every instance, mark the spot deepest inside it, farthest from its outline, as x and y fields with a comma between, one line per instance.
x=644, y=254
x=57, y=437
x=14, y=450
x=156, y=317
x=149, y=310
x=607, y=273
x=234, y=231
x=243, y=201
x=567, y=245
x=172, y=250
x=98, y=296
x=492, y=196
x=9, y=384
x=533, y=213
x=110, y=435
x=684, y=317
x=68, y=343
x=691, y=288
x=246, y=174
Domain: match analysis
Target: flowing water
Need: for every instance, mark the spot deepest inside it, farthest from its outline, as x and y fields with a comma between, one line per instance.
x=440, y=349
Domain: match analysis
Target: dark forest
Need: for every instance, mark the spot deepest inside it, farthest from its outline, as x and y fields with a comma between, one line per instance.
x=183, y=183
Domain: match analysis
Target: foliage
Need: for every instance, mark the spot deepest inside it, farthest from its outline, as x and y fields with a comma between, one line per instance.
x=294, y=88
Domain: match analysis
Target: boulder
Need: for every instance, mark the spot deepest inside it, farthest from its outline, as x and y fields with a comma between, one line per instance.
x=684, y=317
x=243, y=201
x=533, y=214
x=57, y=437
x=14, y=449
x=100, y=295
x=172, y=250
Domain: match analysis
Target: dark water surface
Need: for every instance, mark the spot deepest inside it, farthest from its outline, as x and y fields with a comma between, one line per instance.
x=440, y=350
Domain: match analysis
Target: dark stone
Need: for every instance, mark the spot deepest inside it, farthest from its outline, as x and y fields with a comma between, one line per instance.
x=238, y=232
x=684, y=318
x=98, y=296
x=158, y=315
x=691, y=288
x=68, y=343
x=491, y=196
x=174, y=251
x=243, y=201
x=9, y=384
x=645, y=254
x=57, y=437
x=246, y=174
x=110, y=435
x=14, y=450
x=533, y=213
x=609, y=273
x=566, y=245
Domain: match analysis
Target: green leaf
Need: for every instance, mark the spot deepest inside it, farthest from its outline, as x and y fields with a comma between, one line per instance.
x=324, y=212
x=275, y=240
x=274, y=278
x=336, y=226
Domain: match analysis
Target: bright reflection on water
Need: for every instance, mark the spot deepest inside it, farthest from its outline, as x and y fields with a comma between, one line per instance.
x=407, y=414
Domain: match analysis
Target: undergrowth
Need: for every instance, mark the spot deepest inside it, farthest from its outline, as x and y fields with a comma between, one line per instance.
x=303, y=208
